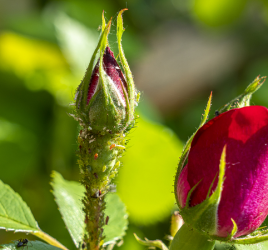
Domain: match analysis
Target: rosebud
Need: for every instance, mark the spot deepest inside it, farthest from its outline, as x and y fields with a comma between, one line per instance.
x=112, y=69
x=242, y=203
x=105, y=97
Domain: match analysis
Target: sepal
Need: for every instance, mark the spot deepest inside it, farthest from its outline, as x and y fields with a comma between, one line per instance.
x=253, y=238
x=132, y=94
x=243, y=100
x=257, y=236
x=81, y=103
x=203, y=216
x=185, y=151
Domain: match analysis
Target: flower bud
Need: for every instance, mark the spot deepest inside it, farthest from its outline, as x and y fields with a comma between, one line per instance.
x=106, y=109
x=105, y=97
x=242, y=203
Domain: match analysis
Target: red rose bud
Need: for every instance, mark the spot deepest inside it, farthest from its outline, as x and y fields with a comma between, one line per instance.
x=243, y=198
x=116, y=77
x=105, y=98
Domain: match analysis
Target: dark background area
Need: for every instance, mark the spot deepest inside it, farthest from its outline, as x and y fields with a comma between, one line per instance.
x=179, y=51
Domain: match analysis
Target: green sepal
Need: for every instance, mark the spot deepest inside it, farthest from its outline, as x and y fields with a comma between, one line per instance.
x=253, y=238
x=235, y=228
x=187, y=238
x=243, y=100
x=129, y=78
x=103, y=23
x=81, y=98
x=185, y=151
x=151, y=243
x=203, y=216
x=106, y=111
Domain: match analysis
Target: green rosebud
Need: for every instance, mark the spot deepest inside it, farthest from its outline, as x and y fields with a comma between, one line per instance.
x=105, y=99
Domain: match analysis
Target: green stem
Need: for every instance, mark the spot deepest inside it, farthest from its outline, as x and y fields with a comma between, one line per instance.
x=98, y=160
x=47, y=238
x=94, y=221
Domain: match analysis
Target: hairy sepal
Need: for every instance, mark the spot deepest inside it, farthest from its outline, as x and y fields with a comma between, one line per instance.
x=203, y=216
x=131, y=92
x=185, y=151
x=243, y=100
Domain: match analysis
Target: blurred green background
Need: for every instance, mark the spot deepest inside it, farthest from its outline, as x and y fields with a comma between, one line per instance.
x=178, y=50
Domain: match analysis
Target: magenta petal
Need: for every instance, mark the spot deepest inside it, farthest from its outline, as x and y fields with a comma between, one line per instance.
x=93, y=82
x=183, y=187
x=113, y=70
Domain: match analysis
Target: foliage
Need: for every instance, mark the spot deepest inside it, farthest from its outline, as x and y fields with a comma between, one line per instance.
x=40, y=68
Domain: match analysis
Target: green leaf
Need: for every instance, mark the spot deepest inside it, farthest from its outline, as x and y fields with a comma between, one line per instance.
x=14, y=213
x=68, y=196
x=188, y=238
x=16, y=216
x=145, y=180
x=117, y=224
x=33, y=245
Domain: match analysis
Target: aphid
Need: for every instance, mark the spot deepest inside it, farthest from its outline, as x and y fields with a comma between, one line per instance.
x=217, y=113
x=96, y=156
x=97, y=194
x=106, y=220
x=83, y=245
x=22, y=243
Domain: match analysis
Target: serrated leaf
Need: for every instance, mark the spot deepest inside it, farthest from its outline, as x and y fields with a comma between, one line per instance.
x=32, y=245
x=117, y=224
x=14, y=212
x=68, y=196
x=16, y=216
